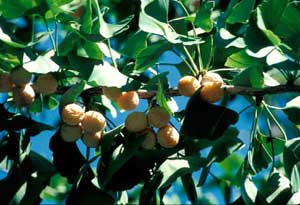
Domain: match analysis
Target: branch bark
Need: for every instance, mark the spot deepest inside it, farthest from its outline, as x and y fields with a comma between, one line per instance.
x=229, y=89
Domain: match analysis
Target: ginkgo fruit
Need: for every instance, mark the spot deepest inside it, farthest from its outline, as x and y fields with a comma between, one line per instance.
x=6, y=84
x=158, y=117
x=168, y=136
x=128, y=100
x=188, y=85
x=112, y=92
x=211, y=92
x=72, y=114
x=93, y=121
x=150, y=139
x=70, y=133
x=92, y=139
x=20, y=76
x=136, y=122
x=23, y=96
x=46, y=84
x=212, y=77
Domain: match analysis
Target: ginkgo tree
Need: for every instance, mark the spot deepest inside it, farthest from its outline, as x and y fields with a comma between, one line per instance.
x=95, y=60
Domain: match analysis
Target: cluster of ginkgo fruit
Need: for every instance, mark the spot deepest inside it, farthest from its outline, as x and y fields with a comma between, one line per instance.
x=76, y=123
x=19, y=82
x=210, y=85
x=143, y=124
x=91, y=124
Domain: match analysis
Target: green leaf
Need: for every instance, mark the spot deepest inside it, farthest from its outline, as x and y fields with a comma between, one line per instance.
x=289, y=21
x=217, y=119
x=67, y=158
x=256, y=77
x=260, y=156
x=72, y=94
x=87, y=193
x=272, y=11
x=90, y=50
x=41, y=65
x=150, y=55
x=87, y=21
x=240, y=12
x=108, y=30
x=43, y=170
x=241, y=60
x=51, y=102
x=135, y=44
x=292, y=110
x=149, y=24
x=162, y=100
x=171, y=169
x=189, y=188
x=224, y=146
x=36, y=106
x=13, y=9
x=249, y=191
x=231, y=167
x=291, y=155
x=25, y=182
x=207, y=51
x=102, y=76
x=84, y=66
x=120, y=156
x=159, y=10
x=273, y=38
x=203, y=16
x=277, y=189
x=295, y=178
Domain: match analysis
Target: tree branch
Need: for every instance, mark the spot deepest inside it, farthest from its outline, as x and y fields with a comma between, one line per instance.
x=229, y=89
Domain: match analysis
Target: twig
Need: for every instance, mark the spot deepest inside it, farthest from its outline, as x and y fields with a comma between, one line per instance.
x=229, y=89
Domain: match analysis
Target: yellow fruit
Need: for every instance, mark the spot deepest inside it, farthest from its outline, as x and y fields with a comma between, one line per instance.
x=188, y=85
x=112, y=92
x=92, y=139
x=158, y=117
x=23, y=96
x=128, y=100
x=211, y=92
x=150, y=139
x=6, y=84
x=212, y=77
x=46, y=84
x=93, y=121
x=136, y=122
x=70, y=133
x=72, y=114
x=168, y=136
x=20, y=76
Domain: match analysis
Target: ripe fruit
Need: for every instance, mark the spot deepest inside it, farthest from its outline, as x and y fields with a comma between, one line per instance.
x=168, y=136
x=212, y=77
x=211, y=92
x=23, y=96
x=20, y=76
x=72, y=114
x=92, y=139
x=136, y=122
x=112, y=92
x=158, y=117
x=128, y=100
x=70, y=133
x=6, y=84
x=93, y=121
x=150, y=139
x=187, y=85
x=46, y=84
